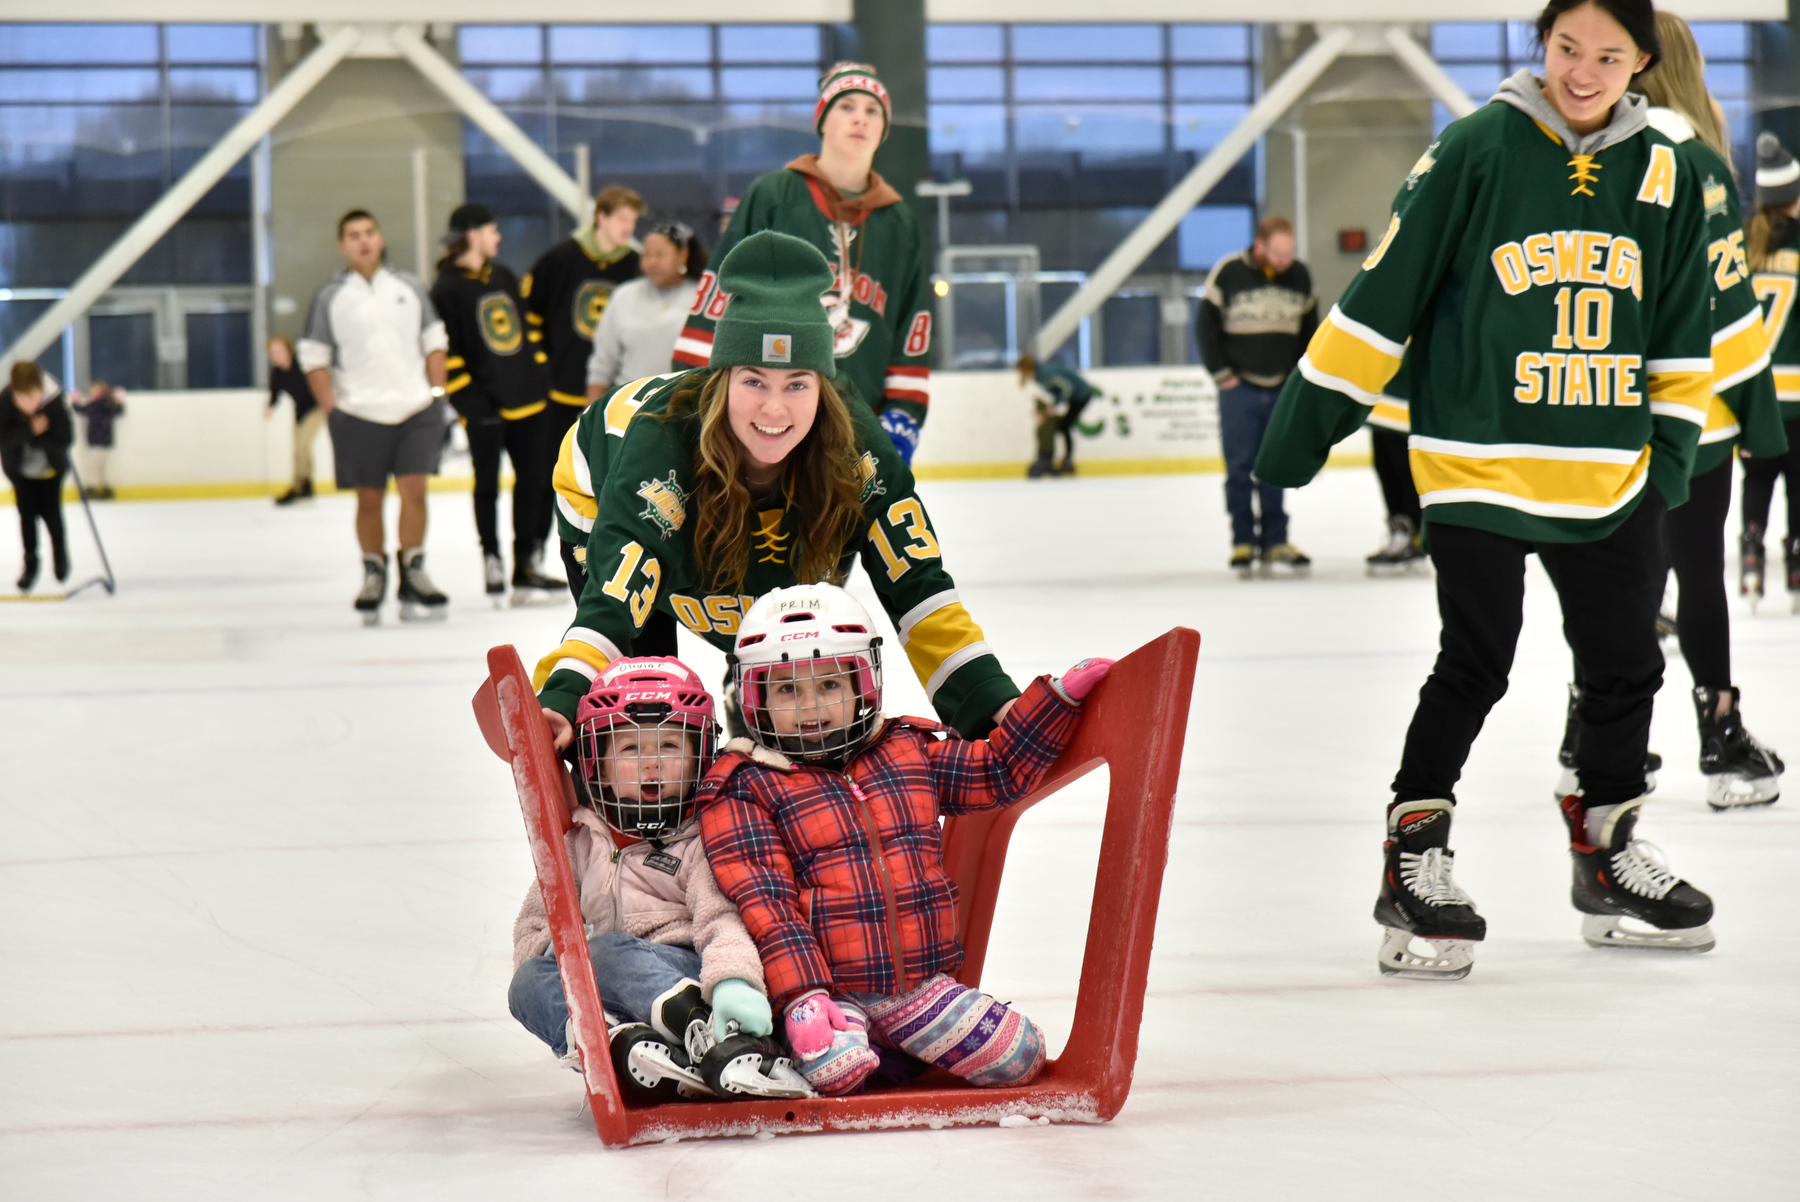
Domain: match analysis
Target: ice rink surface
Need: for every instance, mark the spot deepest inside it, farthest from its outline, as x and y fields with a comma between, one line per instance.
x=258, y=873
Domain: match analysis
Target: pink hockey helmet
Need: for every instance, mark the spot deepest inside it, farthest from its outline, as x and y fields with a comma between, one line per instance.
x=662, y=702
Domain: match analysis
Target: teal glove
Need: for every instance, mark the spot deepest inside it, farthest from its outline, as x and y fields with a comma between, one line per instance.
x=735, y=1000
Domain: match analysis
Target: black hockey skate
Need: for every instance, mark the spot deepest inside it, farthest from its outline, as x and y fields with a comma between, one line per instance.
x=374, y=586
x=420, y=600
x=1570, y=779
x=1620, y=877
x=649, y=1066
x=529, y=584
x=1420, y=900
x=1739, y=771
x=493, y=571
x=1040, y=467
x=1751, y=564
x=738, y=1066
x=1403, y=552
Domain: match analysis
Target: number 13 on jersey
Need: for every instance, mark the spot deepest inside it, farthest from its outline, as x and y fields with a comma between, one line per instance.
x=619, y=587
x=907, y=517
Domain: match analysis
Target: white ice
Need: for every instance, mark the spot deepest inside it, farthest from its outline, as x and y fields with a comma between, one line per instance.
x=258, y=872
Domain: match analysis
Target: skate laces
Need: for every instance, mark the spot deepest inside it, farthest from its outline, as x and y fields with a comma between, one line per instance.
x=1642, y=868
x=1428, y=877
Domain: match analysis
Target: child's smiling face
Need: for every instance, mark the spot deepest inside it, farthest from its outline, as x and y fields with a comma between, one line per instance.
x=808, y=701
x=649, y=765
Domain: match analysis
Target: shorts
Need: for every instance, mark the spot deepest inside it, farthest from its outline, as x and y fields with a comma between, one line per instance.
x=365, y=453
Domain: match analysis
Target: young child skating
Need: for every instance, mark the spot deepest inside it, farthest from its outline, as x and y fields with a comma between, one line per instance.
x=823, y=829
x=677, y=972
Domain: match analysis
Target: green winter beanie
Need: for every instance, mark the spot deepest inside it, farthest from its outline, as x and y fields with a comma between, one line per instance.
x=775, y=318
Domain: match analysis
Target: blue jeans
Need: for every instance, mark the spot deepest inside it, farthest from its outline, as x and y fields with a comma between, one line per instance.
x=631, y=973
x=1243, y=419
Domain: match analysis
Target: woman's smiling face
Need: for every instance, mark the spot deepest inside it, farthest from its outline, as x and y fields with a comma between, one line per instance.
x=1589, y=60
x=771, y=411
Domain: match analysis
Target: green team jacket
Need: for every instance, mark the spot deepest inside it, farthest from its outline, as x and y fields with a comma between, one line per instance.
x=1556, y=307
x=624, y=478
x=1743, y=404
x=881, y=305
x=1774, y=284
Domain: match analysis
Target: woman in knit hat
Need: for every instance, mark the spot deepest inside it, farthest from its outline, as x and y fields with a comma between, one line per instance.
x=880, y=297
x=1775, y=263
x=688, y=497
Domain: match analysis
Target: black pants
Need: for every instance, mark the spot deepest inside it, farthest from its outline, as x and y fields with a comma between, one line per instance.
x=1393, y=468
x=524, y=442
x=658, y=634
x=40, y=500
x=1610, y=592
x=1759, y=484
x=558, y=417
x=1695, y=534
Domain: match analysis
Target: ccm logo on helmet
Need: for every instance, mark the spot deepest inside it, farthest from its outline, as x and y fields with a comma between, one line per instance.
x=794, y=635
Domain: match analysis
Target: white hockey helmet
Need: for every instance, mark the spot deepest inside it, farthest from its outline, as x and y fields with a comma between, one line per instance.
x=796, y=646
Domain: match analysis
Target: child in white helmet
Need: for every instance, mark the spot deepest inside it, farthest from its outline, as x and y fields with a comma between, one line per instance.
x=823, y=829
x=678, y=974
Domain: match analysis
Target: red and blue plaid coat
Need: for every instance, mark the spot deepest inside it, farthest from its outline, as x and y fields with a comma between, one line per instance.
x=839, y=876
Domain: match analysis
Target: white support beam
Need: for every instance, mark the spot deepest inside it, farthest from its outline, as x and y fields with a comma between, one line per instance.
x=1167, y=215
x=187, y=192
x=494, y=123
x=1425, y=69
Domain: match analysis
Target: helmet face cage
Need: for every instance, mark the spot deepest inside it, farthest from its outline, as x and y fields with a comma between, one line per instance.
x=814, y=709
x=640, y=771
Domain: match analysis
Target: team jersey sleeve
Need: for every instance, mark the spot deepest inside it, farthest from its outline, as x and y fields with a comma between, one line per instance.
x=908, y=383
x=1743, y=405
x=463, y=355
x=633, y=558
x=532, y=294
x=948, y=652
x=1678, y=363
x=1358, y=346
x=693, y=348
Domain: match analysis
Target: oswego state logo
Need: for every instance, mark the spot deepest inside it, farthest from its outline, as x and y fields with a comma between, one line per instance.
x=871, y=483
x=500, y=327
x=667, y=504
x=590, y=303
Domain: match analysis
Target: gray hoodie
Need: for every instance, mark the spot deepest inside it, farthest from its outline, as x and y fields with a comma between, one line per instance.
x=1525, y=92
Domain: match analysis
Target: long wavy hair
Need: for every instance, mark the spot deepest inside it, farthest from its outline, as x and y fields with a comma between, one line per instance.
x=822, y=479
x=1678, y=82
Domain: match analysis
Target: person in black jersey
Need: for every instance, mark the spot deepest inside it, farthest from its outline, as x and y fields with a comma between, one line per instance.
x=498, y=388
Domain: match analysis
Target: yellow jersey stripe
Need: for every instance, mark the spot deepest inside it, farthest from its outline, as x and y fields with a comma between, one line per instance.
x=586, y=651
x=1739, y=351
x=1721, y=423
x=454, y=361
x=574, y=498
x=1787, y=382
x=1558, y=485
x=941, y=642
x=533, y=318
x=1349, y=357
x=457, y=384
x=524, y=411
x=1684, y=393
x=1392, y=413
x=568, y=398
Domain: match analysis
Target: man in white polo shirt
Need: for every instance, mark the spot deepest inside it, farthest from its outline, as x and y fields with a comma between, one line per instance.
x=374, y=355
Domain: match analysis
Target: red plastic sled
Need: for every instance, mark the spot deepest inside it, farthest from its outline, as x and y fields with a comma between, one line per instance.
x=1140, y=742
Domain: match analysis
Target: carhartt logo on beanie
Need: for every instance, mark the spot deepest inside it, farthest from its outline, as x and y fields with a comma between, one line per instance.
x=852, y=77
x=1777, y=174
x=775, y=315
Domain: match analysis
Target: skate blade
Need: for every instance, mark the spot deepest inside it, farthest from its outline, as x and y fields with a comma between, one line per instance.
x=414, y=611
x=522, y=597
x=744, y=1076
x=1450, y=961
x=1604, y=930
x=370, y=617
x=1728, y=792
x=650, y=1064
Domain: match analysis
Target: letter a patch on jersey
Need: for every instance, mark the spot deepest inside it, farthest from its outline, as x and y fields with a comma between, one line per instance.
x=1658, y=187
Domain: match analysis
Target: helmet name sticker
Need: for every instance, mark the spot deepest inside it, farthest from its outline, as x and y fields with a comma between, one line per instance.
x=667, y=504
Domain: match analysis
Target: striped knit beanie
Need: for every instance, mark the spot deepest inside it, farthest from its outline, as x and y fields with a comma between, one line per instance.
x=1777, y=174
x=852, y=77
x=775, y=317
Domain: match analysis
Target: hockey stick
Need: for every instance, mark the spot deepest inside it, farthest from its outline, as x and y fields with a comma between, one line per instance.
x=107, y=582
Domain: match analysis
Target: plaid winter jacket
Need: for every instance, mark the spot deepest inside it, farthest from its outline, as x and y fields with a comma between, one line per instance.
x=840, y=876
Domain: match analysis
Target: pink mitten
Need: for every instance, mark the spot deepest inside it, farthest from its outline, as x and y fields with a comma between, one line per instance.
x=1080, y=680
x=811, y=1022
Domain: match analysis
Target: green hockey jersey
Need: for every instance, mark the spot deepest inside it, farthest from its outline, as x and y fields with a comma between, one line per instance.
x=1774, y=285
x=565, y=293
x=881, y=305
x=623, y=481
x=1554, y=303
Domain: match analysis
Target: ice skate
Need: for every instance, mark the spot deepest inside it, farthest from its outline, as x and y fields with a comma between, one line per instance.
x=1619, y=877
x=28, y=576
x=1739, y=771
x=368, y=601
x=529, y=584
x=1289, y=556
x=1402, y=553
x=1570, y=780
x=1243, y=560
x=1040, y=467
x=1421, y=902
x=494, y=572
x=1751, y=564
x=420, y=600
x=748, y=1066
x=649, y=1065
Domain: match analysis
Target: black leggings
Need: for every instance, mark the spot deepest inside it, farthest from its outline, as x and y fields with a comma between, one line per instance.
x=1759, y=484
x=1610, y=591
x=1695, y=536
x=40, y=500
x=1393, y=467
x=525, y=442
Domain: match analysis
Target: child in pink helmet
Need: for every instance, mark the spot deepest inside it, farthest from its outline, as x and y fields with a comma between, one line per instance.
x=680, y=978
